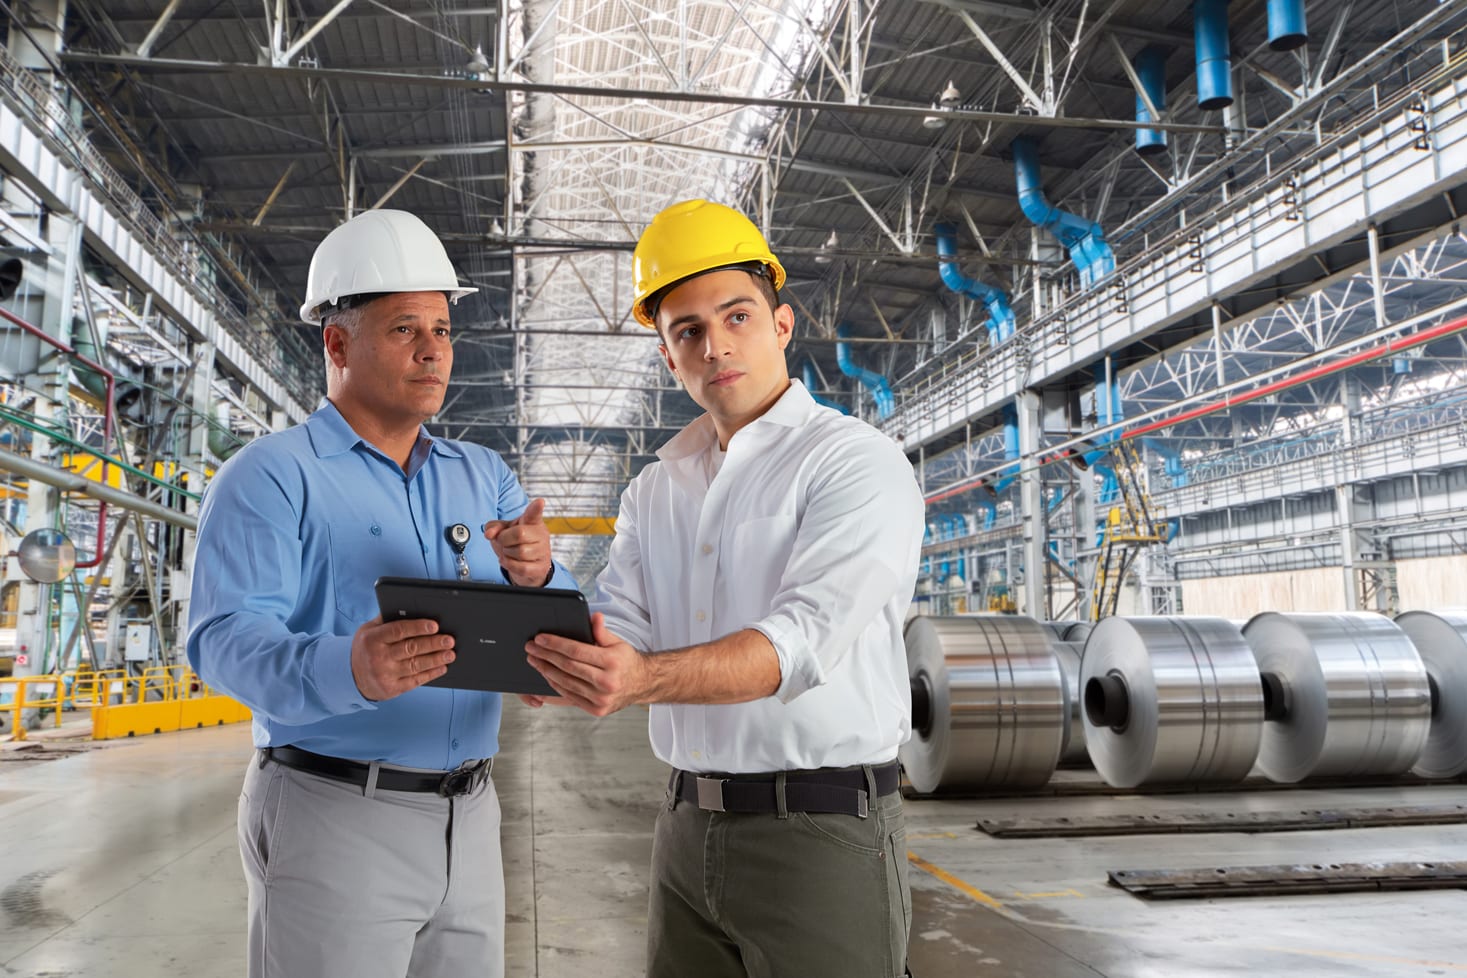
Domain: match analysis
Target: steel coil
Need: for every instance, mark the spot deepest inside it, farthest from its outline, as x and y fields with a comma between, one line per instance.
x=1346, y=695
x=1441, y=641
x=988, y=704
x=1072, y=752
x=1170, y=700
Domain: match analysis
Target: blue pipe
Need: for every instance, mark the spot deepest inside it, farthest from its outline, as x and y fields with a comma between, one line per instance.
x=1085, y=239
x=1287, y=28
x=880, y=389
x=1000, y=316
x=1010, y=449
x=1171, y=461
x=1151, y=69
x=1214, y=60
x=808, y=375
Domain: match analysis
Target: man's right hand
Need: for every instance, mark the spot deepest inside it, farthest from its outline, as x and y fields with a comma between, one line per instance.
x=389, y=659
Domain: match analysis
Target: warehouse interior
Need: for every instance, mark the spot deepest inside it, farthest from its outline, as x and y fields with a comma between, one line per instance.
x=1165, y=302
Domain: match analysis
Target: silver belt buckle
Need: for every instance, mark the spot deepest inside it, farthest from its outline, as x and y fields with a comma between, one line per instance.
x=710, y=794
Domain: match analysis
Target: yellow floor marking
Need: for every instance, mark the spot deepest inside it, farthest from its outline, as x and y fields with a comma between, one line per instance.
x=932, y=835
x=1051, y=895
x=953, y=881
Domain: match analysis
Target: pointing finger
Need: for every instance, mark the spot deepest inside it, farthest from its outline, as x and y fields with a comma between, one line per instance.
x=533, y=513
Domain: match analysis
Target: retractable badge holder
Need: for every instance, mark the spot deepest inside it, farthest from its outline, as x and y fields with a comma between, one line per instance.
x=458, y=536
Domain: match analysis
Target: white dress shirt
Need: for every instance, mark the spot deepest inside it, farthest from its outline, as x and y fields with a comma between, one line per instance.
x=810, y=532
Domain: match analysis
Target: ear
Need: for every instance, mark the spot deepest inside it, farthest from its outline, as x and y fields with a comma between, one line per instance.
x=667, y=359
x=784, y=324
x=335, y=339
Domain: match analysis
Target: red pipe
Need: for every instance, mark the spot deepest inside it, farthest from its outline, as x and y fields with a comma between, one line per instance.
x=1387, y=348
x=1314, y=373
x=111, y=379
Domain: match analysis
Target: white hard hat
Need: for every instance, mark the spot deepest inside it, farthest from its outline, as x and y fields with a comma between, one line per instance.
x=378, y=251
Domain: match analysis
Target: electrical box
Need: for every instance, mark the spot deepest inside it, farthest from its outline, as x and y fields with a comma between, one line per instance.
x=138, y=646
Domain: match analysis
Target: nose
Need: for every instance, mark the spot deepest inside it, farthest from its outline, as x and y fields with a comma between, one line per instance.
x=715, y=343
x=433, y=347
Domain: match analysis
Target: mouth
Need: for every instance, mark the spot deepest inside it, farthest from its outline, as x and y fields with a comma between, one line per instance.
x=724, y=378
x=429, y=381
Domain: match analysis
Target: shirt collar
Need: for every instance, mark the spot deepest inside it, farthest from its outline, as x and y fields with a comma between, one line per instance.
x=794, y=408
x=331, y=435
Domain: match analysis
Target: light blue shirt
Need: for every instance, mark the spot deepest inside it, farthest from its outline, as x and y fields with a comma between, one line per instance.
x=293, y=532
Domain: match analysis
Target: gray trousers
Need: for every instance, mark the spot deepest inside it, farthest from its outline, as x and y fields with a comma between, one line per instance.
x=345, y=886
x=799, y=896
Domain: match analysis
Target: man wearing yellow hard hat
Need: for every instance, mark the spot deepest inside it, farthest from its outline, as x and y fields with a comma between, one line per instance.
x=754, y=597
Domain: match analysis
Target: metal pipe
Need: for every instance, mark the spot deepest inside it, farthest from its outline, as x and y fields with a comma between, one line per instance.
x=1287, y=28
x=880, y=387
x=1001, y=322
x=1214, y=59
x=109, y=390
x=61, y=479
x=1151, y=72
x=1085, y=239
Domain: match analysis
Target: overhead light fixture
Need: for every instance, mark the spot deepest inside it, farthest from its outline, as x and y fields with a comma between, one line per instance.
x=478, y=67
x=496, y=229
x=822, y=257
x=946, y=102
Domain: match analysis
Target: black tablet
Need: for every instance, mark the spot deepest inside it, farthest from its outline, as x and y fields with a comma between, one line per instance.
x=491, y=624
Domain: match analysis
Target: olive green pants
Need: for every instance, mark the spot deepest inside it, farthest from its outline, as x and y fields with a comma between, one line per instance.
x=798, y=896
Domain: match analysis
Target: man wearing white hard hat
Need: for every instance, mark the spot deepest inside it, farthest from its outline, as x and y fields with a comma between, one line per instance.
x=368, y=824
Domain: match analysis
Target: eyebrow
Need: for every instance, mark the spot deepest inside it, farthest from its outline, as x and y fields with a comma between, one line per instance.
x=693, y=317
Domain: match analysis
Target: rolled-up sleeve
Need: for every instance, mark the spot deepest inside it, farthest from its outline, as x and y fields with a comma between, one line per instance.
x=621, y=589
x=246, y=585
x=857, y=544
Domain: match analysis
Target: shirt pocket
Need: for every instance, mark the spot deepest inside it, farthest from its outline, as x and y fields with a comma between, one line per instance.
x=759, y=551
x=355, y=566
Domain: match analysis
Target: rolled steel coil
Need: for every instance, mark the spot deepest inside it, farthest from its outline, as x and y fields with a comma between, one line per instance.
x=988, y=704
x=1441, y=641
x=1072, y=752
x=1346, y=695
x=1169, y=700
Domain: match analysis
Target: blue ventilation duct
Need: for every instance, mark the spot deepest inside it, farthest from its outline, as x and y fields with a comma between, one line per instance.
x=1214, y=60
x=1151, y=69
x=1000, y=316
x=1287, y=29
x=880, y=389
x=1171, y=461
x=1008, y=474
x=808, y=375
x=1107, y=412
x=1084, y=239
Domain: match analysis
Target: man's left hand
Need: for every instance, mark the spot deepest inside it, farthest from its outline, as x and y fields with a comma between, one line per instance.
x=523, y=545
x=600, y=678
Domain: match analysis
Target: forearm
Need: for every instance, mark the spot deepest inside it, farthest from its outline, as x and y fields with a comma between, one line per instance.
x=734, y=669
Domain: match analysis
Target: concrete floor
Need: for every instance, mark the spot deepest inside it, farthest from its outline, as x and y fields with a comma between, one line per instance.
x=121, y=861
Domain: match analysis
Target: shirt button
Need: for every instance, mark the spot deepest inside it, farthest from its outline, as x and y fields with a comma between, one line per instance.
x=376, y=530
x=454, y=745
x=702, y=617
x=707, y=548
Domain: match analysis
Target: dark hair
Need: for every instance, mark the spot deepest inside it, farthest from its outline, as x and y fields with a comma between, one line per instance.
x=758, y=271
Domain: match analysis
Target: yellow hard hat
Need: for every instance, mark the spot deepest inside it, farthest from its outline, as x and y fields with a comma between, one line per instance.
x=692, y=237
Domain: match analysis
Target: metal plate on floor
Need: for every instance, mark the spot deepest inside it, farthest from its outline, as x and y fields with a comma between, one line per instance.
x=1293, y=820
x=1228, y=881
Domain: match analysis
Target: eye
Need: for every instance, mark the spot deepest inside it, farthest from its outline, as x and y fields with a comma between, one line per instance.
x=688, y=333
x=738, y=318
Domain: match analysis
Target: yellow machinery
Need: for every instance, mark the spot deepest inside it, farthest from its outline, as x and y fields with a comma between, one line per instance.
x=1129, y=529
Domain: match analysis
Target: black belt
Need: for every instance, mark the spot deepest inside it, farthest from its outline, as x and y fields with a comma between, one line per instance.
x=459, y=781
x=829, y=792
